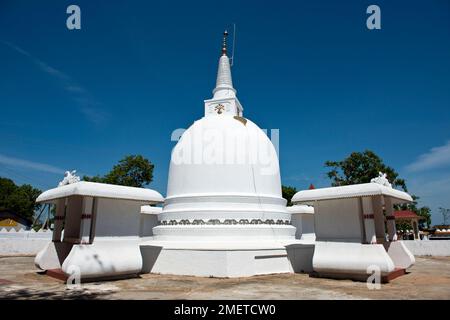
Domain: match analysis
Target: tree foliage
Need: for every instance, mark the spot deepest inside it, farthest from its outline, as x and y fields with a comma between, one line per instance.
x=288, y=192
x=361, y=167
x=20, y=199
x=132, y=171
x=426, y=213
x=445, y=215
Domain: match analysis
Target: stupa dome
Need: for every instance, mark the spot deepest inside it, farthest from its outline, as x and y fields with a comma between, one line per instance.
x=224, y=155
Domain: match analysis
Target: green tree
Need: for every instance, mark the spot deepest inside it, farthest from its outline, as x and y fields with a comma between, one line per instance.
x=20, y=199
x=426, y=213
x=133, y=171
x=288, y=192
x=445, y=215
x=361, y=167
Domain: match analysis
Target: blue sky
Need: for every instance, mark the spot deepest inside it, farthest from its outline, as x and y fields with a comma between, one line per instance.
x=135, y=72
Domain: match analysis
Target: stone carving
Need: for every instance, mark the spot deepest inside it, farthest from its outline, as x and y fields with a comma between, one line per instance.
x=382, y=179
x=69, y=177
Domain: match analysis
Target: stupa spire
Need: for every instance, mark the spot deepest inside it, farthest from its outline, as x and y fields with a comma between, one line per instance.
x=224, y=43
x=224, y=100
x=224, y=83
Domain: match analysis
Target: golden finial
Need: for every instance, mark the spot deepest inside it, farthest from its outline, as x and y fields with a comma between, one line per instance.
x=224, y=44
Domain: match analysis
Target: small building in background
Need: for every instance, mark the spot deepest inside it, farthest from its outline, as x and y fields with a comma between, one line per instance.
x=10, y=219
x=410, y=217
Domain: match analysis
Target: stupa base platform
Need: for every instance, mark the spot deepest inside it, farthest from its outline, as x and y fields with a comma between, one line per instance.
x=226, y=259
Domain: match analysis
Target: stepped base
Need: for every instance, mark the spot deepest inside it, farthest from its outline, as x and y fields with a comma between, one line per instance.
x=226, y=259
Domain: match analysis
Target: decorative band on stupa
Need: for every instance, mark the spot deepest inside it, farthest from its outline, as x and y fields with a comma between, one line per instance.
x=224, y=222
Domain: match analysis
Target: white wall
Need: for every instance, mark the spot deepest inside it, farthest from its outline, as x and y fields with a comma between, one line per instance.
x=148, y=222
x=118, y=218
x=338, y=220
x=308, y=223
x=31, y=242
x=437, y=248
x=23, y=242
x=304, y=224
x=296, y=221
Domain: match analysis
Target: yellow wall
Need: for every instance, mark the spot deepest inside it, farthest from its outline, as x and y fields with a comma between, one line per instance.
x=8, y=223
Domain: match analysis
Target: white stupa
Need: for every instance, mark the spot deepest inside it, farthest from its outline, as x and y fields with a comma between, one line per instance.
x=224, y=212
x=224, y=178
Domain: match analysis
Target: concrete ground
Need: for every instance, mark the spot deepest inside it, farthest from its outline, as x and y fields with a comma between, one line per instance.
x=428, y=279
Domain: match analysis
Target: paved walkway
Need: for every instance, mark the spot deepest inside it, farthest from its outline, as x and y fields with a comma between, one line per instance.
x=428, y=279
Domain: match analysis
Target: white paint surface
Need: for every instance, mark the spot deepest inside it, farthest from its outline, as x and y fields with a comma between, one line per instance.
x=225, y=260
x=436, y=248
x=24, y=246
x=400, y=255
x=105, y=258
x=23, y=243
x=350, y=258
x=101, y=190
x=351, y=191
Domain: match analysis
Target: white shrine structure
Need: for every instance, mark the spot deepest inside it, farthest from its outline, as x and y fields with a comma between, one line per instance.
x=97, y=230
x=355, y=230
x=224, y=215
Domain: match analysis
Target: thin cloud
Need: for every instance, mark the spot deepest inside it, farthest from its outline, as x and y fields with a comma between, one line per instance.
x=433, y=190
x=79, y=94
x=431, y=186
x=37, y=166
x=39, y=63
x=51, y=71
x=437, y=157
x=95, y=115
x=76, y=89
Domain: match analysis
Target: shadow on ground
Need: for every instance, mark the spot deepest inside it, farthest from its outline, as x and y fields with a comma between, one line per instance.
x=68, y=294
